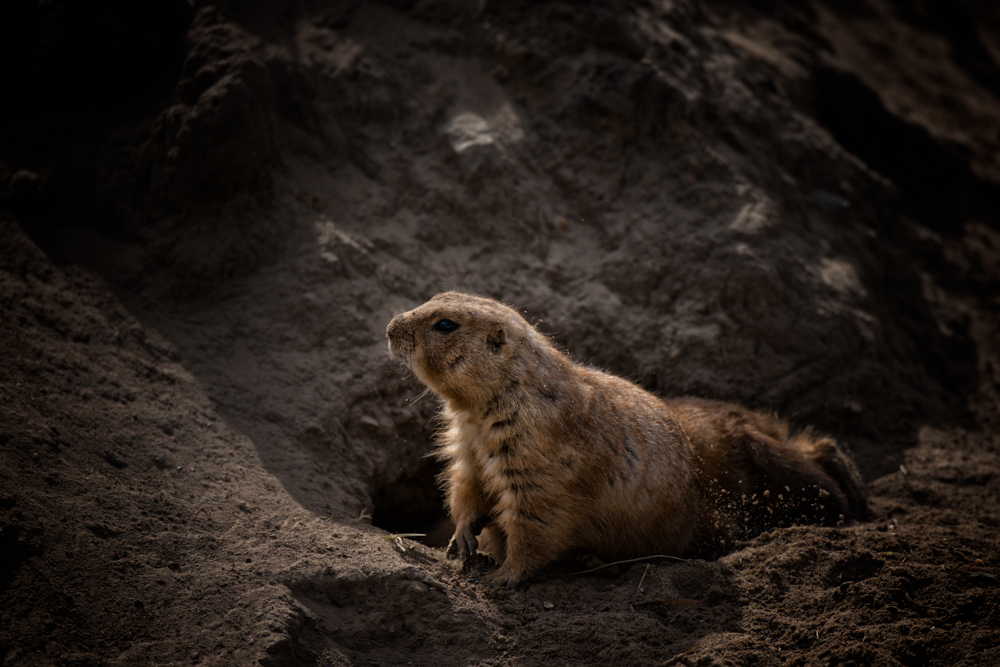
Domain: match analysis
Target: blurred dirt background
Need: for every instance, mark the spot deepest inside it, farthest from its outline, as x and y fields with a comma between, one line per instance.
x=209, y=213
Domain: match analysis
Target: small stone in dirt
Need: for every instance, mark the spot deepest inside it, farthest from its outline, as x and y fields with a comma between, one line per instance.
x=416, y=588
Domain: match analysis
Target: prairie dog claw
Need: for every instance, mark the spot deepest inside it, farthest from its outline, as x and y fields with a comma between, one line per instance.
x=463, y=544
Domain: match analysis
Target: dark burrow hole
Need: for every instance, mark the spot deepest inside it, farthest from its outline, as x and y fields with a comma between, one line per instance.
x=415, y=504
x=935, y=180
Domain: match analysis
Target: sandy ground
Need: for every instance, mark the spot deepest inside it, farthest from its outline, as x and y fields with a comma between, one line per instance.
x=208, y=216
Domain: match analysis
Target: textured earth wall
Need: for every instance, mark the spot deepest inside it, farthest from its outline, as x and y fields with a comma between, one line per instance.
x=210, y=214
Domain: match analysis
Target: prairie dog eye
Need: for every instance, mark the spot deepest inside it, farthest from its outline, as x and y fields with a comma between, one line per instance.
x=445, y=325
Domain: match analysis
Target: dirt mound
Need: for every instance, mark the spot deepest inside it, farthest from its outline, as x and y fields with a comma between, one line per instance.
x=792, y=208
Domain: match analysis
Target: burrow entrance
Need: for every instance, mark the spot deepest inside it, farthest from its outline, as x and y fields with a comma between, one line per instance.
x=415, y=504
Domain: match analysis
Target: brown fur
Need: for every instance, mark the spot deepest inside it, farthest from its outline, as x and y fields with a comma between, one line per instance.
x=546, y=457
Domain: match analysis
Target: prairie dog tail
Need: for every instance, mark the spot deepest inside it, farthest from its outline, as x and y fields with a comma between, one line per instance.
x=832, y=460
x=758, y=475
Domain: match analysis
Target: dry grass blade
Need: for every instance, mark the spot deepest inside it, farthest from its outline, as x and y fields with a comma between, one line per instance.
x=624, y=562
x=638, y=589
x=397, y=539
x=680, y=656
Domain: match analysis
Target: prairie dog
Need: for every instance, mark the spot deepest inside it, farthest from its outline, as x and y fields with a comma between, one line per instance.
x=545, y=457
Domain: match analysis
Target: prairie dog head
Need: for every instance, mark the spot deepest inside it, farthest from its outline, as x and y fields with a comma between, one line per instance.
x=466, y=348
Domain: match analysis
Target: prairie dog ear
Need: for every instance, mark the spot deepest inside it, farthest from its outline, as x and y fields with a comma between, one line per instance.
x=496, y=339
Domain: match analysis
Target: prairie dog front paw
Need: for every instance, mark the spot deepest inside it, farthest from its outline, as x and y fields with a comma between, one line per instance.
x=502, y=578
x=463, y=544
